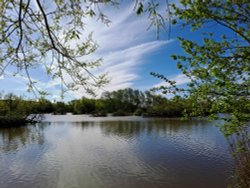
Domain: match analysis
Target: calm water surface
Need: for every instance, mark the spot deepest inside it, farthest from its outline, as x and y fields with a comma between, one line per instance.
x=121, y=152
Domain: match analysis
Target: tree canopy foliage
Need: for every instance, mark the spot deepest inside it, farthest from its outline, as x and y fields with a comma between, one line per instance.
x=48, y=35
x=218, y=68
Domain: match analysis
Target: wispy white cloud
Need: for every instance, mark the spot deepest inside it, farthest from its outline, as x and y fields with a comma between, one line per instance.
x=124, y=47
x=180, y=79
x=122, y=65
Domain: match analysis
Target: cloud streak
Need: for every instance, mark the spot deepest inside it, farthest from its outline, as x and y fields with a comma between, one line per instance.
x=124, y=47
x=180, y=79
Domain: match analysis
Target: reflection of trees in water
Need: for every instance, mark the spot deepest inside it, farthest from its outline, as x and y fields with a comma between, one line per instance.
x=11, y=139
x=151, y=126
x=122, y=128
x=85, y=125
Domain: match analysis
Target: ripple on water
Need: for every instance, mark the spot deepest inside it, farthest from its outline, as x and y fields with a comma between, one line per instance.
x=141, y=153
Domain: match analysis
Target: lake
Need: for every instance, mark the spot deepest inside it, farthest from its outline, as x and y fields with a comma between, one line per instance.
x=114, y=152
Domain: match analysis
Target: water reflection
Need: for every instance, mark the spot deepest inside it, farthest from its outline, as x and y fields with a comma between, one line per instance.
x=144, y=153
x=136, y=128
x=12, y=139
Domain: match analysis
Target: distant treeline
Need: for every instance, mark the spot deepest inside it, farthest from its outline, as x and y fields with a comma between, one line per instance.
x=17, y=110
x=117, y=103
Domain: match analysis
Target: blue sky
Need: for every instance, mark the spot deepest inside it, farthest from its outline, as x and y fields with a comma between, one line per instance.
x=129, y=51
